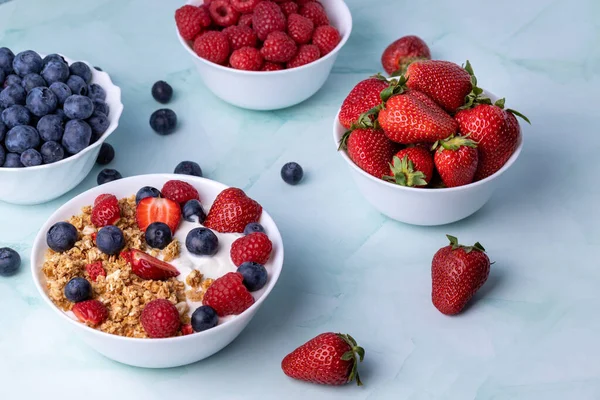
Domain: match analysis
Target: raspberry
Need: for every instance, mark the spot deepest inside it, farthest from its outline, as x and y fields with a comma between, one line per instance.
x=315, y=12
x=106, y=211
x=240, y=36
x=246, y=20
x=255, y=247
x=306, y=54
x=289, y=8
x=246, y=58
x=212, y=46
x=278, y=47
x=186, y=329
x=228, y=295
x=179, y=191
x=326, y=38
x=300, y=28
x=188, y=19
x=160, y=319
x=267, y=18
x=244, y=6
x=92, y=312
x=271, y=66
x=222, y=13
x=94, y=270
x=205, y=21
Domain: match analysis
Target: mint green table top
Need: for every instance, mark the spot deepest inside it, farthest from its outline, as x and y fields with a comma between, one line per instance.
x=533, y=331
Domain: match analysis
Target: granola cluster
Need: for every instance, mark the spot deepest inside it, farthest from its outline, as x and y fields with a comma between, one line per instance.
x=122, y=292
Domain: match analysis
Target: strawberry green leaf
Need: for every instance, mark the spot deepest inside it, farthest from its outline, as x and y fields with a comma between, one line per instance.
x=518, y=114
x=500, y=103
x=404, y=173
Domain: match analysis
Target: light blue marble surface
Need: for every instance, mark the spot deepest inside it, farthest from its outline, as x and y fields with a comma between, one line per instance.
x=533, y=331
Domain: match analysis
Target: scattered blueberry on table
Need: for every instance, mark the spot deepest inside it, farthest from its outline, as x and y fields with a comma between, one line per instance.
x=203, y=318
x=162, y=92
x=108, y=175
x=106, y=154
x=202, y=242
x=158, y=235
x=292, y=173
x=10, y=261
x=193, y=212
x=188, y=168
x=78, y=289
x=163, y=121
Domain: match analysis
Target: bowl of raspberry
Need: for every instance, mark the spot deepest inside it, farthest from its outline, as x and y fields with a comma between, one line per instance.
x=54, y=116
x=262, y=54
x=159, y=270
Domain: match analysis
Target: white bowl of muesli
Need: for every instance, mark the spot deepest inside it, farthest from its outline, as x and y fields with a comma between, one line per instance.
x=159, y=270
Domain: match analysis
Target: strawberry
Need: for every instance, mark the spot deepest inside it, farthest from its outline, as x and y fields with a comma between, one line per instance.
x=271, y=66
x=289, y=8
x=412, y=166
x=315, y=12
x=402, y=52
x=160, y=319
x=496, y=132
x=278, y=47
x=446, y=83
x=186, y=329
x=412, y=117
x=456, y=160
x=370, y=150
x=94, y=270
x=306, y=54
x=246, y=20
x=189, y=20
x=247, y=59
x=232, y=211
x=328, y=359
x=227, y=295
x=179, y=191
x=223, y=13
x=154, y=209
x=255, y=247
x=212, y=46
x=300, y=28
x=147, y=267
x=457, y=272
x=244, y=6
x=267, y=18
x=91, y=312
x=326, y=38
x=362, y=98
x=240, y=36
x=106, y=210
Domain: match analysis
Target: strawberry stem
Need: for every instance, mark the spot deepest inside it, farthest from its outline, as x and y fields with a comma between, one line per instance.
x=455, y=245
x=405, y=174
x=454, y=143
x=352, y=355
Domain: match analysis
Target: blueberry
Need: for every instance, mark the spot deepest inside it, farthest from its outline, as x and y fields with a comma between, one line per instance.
x=61, y=237
x=11, y=95
x=21, y=138
x=202, y=241
x=146, y=191
x=51, y=127
x=41, y=101
x=53, y=58
x=162, y=92
x=52, y=152
x=253, y=227
x=78, y=107
x=193, y=211
x=3, y=129
x=61, y=90
x=2, y=155
x=31, y=158
x=13, y=160
x=108, y=175
x=6, y=60
x=188, y=168
x=158, y=235
x=2, y=75
x=106, y=154
x=10, y=261
x=292, y=173
x=96, y=92
x=55, y=71
x=82, y=70
x=12, y=80
x=77, y=136
x=77, y=85
x=99, y=124
x=16, y=115
x=110, y=240
x=31, y=81
x=102, y=107
x=255, y=275
x=203, y=318
x=27, y=62
x=78, y=289
x=61, y=113
x=163, y=121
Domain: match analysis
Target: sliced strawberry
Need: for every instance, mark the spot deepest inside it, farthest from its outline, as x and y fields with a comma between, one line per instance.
x=103, y=197
x=179, y=191
x=147, y=267
x=153, y=209
x=126, y=255
x=106, y=210
x=94, y=270
x=92, y=312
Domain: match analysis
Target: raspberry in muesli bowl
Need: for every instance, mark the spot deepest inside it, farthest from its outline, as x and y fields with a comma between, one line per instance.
x=158, y=270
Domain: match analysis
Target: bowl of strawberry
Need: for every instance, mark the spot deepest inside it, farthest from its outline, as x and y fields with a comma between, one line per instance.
x=426, y=147
x=262, y=54
x=160, y=270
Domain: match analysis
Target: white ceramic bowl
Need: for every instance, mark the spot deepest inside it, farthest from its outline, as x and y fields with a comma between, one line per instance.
x=40, y=184
x=421, y=206
x=276, y=89
x=156, y=353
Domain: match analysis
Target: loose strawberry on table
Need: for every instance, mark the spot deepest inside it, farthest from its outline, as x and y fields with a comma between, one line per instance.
x=402, y=52
x=411, y=167
x=456, y=160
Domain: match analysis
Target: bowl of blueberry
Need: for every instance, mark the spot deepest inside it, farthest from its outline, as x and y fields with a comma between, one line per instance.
x=54, y=116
